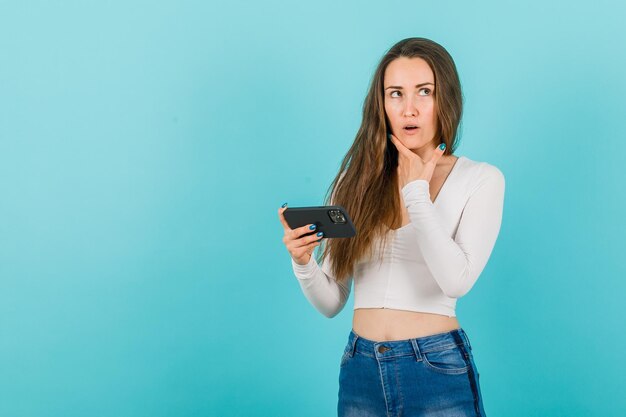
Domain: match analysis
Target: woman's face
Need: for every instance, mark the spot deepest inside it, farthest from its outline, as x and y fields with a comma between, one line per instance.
x=409, y=87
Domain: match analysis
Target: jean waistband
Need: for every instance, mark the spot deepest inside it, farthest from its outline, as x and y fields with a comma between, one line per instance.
x=417, y=346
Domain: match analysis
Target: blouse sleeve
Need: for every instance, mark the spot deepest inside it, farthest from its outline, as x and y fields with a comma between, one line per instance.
x=456, y=264
x=319, y=286
x=323, y=291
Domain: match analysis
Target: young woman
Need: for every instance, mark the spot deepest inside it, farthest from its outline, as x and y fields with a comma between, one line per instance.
x=426, y=222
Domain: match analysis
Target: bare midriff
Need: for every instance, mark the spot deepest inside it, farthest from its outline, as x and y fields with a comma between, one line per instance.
x=385, y=324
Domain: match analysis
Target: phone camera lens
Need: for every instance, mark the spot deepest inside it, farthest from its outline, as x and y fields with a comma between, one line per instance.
x=336, y=216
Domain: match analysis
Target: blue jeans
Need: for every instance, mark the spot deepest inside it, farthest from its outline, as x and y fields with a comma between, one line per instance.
x=433, y=375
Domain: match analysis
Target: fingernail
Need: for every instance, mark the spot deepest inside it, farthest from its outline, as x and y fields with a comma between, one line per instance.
x=320, y=234
x=312, y=227
x=283, y=205
x=442, y=146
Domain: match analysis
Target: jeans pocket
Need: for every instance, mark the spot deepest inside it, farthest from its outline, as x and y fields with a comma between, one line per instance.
x=346, y=355
x=450, y=360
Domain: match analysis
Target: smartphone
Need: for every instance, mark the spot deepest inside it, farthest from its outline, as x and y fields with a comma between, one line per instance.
x=334, y=221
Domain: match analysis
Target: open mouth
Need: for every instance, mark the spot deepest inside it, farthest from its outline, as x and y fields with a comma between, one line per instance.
x=411, y=128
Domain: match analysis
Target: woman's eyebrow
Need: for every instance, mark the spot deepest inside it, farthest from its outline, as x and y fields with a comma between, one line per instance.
x=400, y=88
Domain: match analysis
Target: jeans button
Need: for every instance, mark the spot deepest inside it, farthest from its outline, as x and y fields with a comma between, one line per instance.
x=383, y=349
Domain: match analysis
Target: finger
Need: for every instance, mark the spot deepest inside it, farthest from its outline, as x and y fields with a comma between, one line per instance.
x=307, y=240
x=438, y=153
x=281, y=217
x=429, y=169
x=309, y=248
x=399, y=146
x=298, y=232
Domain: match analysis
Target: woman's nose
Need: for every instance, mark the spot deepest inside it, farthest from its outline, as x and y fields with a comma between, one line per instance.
x=410, y=109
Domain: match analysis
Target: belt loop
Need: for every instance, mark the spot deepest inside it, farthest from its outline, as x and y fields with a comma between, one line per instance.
x=418, y=354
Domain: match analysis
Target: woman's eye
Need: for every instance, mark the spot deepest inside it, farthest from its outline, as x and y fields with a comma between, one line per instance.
x=427, y=90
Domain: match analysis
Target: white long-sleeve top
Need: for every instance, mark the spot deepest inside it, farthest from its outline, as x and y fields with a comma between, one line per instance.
x=428, y=263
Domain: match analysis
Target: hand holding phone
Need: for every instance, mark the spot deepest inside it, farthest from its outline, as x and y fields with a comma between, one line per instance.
x=303, y=224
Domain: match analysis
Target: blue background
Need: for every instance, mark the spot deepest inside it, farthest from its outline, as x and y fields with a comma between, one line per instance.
x=145, y=148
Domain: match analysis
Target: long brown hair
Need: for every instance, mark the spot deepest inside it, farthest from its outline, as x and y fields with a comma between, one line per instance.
x=367, y=184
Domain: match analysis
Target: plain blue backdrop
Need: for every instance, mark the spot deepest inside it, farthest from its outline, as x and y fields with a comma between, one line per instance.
x=145, y=148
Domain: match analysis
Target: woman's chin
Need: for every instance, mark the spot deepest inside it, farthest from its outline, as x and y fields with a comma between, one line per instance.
x=412, y=142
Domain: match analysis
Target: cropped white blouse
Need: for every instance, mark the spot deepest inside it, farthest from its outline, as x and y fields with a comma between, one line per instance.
x=428, y=263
